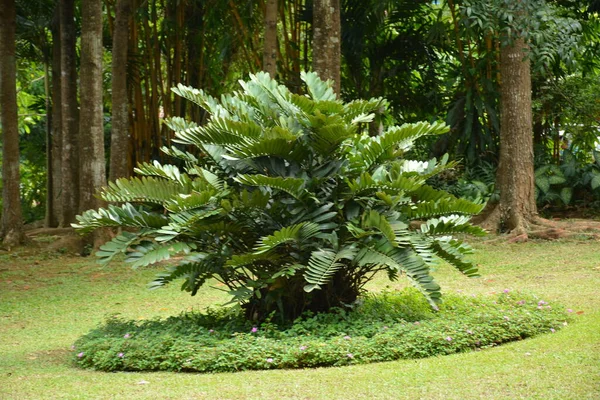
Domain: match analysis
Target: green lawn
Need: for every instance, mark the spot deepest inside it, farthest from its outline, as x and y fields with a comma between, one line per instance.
x=48, y=301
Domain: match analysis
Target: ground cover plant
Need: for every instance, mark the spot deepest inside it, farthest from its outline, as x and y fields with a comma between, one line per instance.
x=390, y=326
x=48, y=300
x=289, y=201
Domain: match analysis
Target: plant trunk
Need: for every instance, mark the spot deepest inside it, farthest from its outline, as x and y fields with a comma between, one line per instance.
x=516, y=209
x=69, y=114
x=119, y=138
x=270, y=43
x=326, y=41
x=55, y=149
x=91, y=130
x=11, y=227
x=288, y=299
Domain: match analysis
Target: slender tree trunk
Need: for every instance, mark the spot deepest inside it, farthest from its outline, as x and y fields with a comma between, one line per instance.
x=119, y=143
x=270, y=42
x=55, y=148
x=11, y=227
x=326, y=40
x=516, y=209
x=91, y=130
x=69, y=114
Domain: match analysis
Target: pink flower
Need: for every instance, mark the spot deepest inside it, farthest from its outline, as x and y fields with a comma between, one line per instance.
x=506, y=290
x=302, y=348
x=127, y=336
x=347, y=337
x=269, y=360
x=449, y=339
x=254, y=329
x=350, y=355
x=569, y=310
x=80, y=354
x=552, y=330
x=120, y=355
x=211, y=330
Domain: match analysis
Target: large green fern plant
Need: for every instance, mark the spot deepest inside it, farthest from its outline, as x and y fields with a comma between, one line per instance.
x=288, y=202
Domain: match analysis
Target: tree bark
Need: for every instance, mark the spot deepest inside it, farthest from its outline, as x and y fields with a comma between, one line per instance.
x=270, y=42
x=91, y=129
x=69, y=114
x=326, y=41
x=11, y=227
x=516, y=209
x=55, y=150
x=119, y=138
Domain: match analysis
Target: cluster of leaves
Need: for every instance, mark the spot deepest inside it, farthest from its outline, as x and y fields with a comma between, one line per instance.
x=476, y=183
x=291, y=204
x=570, y=182
x=389, y=326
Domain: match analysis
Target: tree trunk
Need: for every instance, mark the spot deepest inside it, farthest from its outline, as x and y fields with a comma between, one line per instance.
x=270, y=43
x=516, y=209
x=69, y=114
x=326, y=41
x=55, y=150
x=119, y=138
x=11, y=228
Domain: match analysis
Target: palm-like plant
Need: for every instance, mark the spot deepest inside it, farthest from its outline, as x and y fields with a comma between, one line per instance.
x=291, y=204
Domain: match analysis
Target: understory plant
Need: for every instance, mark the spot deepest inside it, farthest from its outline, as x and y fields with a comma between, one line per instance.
x=384, y=327
x=571, y=182
x=288, y=202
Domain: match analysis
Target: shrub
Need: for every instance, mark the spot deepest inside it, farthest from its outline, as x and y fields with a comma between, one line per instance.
x=391, y=326
x=288, y=202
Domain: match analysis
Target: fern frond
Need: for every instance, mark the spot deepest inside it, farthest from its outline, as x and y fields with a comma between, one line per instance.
x=149, y=253
x=293, y=233
x=323, y=264
x=449, y=225
x=442, y=207
x=164, y=171
x=124, y=216
x=372, y=219
x=118, y=245
x=453, y=252
x=318, y=89
x=292, y=186
x=194, y=274
x=144, y=190
x=185, y=202
x=402, y=260
x=203, y=99
x=328, y=132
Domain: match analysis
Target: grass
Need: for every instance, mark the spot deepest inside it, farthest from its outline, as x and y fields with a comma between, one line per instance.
x=47, y=301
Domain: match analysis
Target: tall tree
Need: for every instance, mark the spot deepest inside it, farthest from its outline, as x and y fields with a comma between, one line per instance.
x=515, y=177
x=11, y=227
x=69, y=113
x=91, y=129
x=270, y=38
x=519, y=25
x=326, y=41
x=119, y=138
x=54, y=173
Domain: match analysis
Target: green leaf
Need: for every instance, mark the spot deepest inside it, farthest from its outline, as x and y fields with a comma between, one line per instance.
x=149, y=253
x=323, y=264
x=293, y=186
